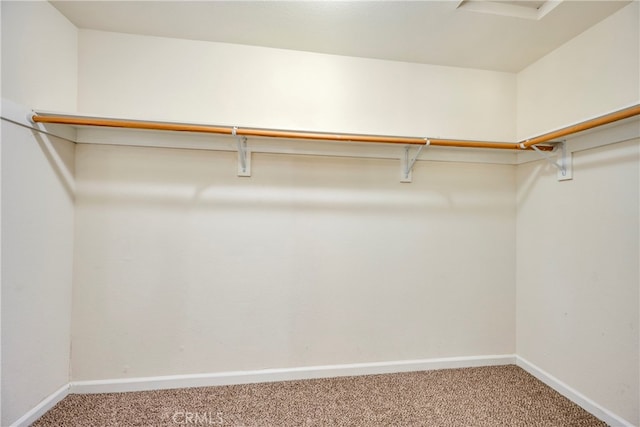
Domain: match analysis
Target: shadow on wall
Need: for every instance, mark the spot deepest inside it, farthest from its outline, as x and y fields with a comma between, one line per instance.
x=64, y=172
x=184, y=179
x=583, y=161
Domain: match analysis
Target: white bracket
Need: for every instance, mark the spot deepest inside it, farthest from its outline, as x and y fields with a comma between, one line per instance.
x=564, y=162
x=407, y=163
x=244, y=155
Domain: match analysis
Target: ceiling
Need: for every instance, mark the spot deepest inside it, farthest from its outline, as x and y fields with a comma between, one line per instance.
x=492, y=35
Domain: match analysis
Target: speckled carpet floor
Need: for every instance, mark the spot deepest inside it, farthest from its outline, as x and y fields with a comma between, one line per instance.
x=487, y=396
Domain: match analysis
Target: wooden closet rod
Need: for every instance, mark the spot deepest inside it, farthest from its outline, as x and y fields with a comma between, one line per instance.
x=582, y=126
x=228, y=130
x=270, y=133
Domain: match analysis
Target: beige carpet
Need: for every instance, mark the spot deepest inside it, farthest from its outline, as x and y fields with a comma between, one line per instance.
x=488, y=396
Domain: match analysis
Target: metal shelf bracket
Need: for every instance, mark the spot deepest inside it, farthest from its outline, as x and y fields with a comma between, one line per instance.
x=244, y=154
x=407, y=162
x=563, y=161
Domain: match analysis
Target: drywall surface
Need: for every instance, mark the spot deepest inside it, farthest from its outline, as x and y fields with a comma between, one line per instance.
x=39, y=69
x=578, y=274
x=183, y=267
x=160, y=78
x=594, y=74
x=37, y=263
x=39, y=56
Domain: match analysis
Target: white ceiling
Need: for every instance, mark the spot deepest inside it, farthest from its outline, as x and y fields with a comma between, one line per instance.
x=448, y=32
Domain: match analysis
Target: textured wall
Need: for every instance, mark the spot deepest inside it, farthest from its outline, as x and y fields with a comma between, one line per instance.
x=182, y=267
x=577, y=274
x=152, y=77
x=594, y=74
x=39, y=70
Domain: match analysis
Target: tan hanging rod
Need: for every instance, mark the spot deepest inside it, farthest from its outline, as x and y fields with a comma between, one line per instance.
x=582, y=126
x=270, y=133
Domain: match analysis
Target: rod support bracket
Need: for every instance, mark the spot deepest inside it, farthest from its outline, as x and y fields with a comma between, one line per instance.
x=244, y=154
x=407, y=162
x=563, y=161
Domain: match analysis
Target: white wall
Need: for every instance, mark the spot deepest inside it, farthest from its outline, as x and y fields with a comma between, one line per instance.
x=39, y=56
x=39, y=69
x=594, y=74
x=577, y=241
x=0, y=237
x=182, y=267
x=577, y=274
x=150, y=77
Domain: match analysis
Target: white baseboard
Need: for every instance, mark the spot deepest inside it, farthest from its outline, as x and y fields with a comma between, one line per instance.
x=576, y=397
x=312, y=372
x=40, y=409
x=287, y=374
